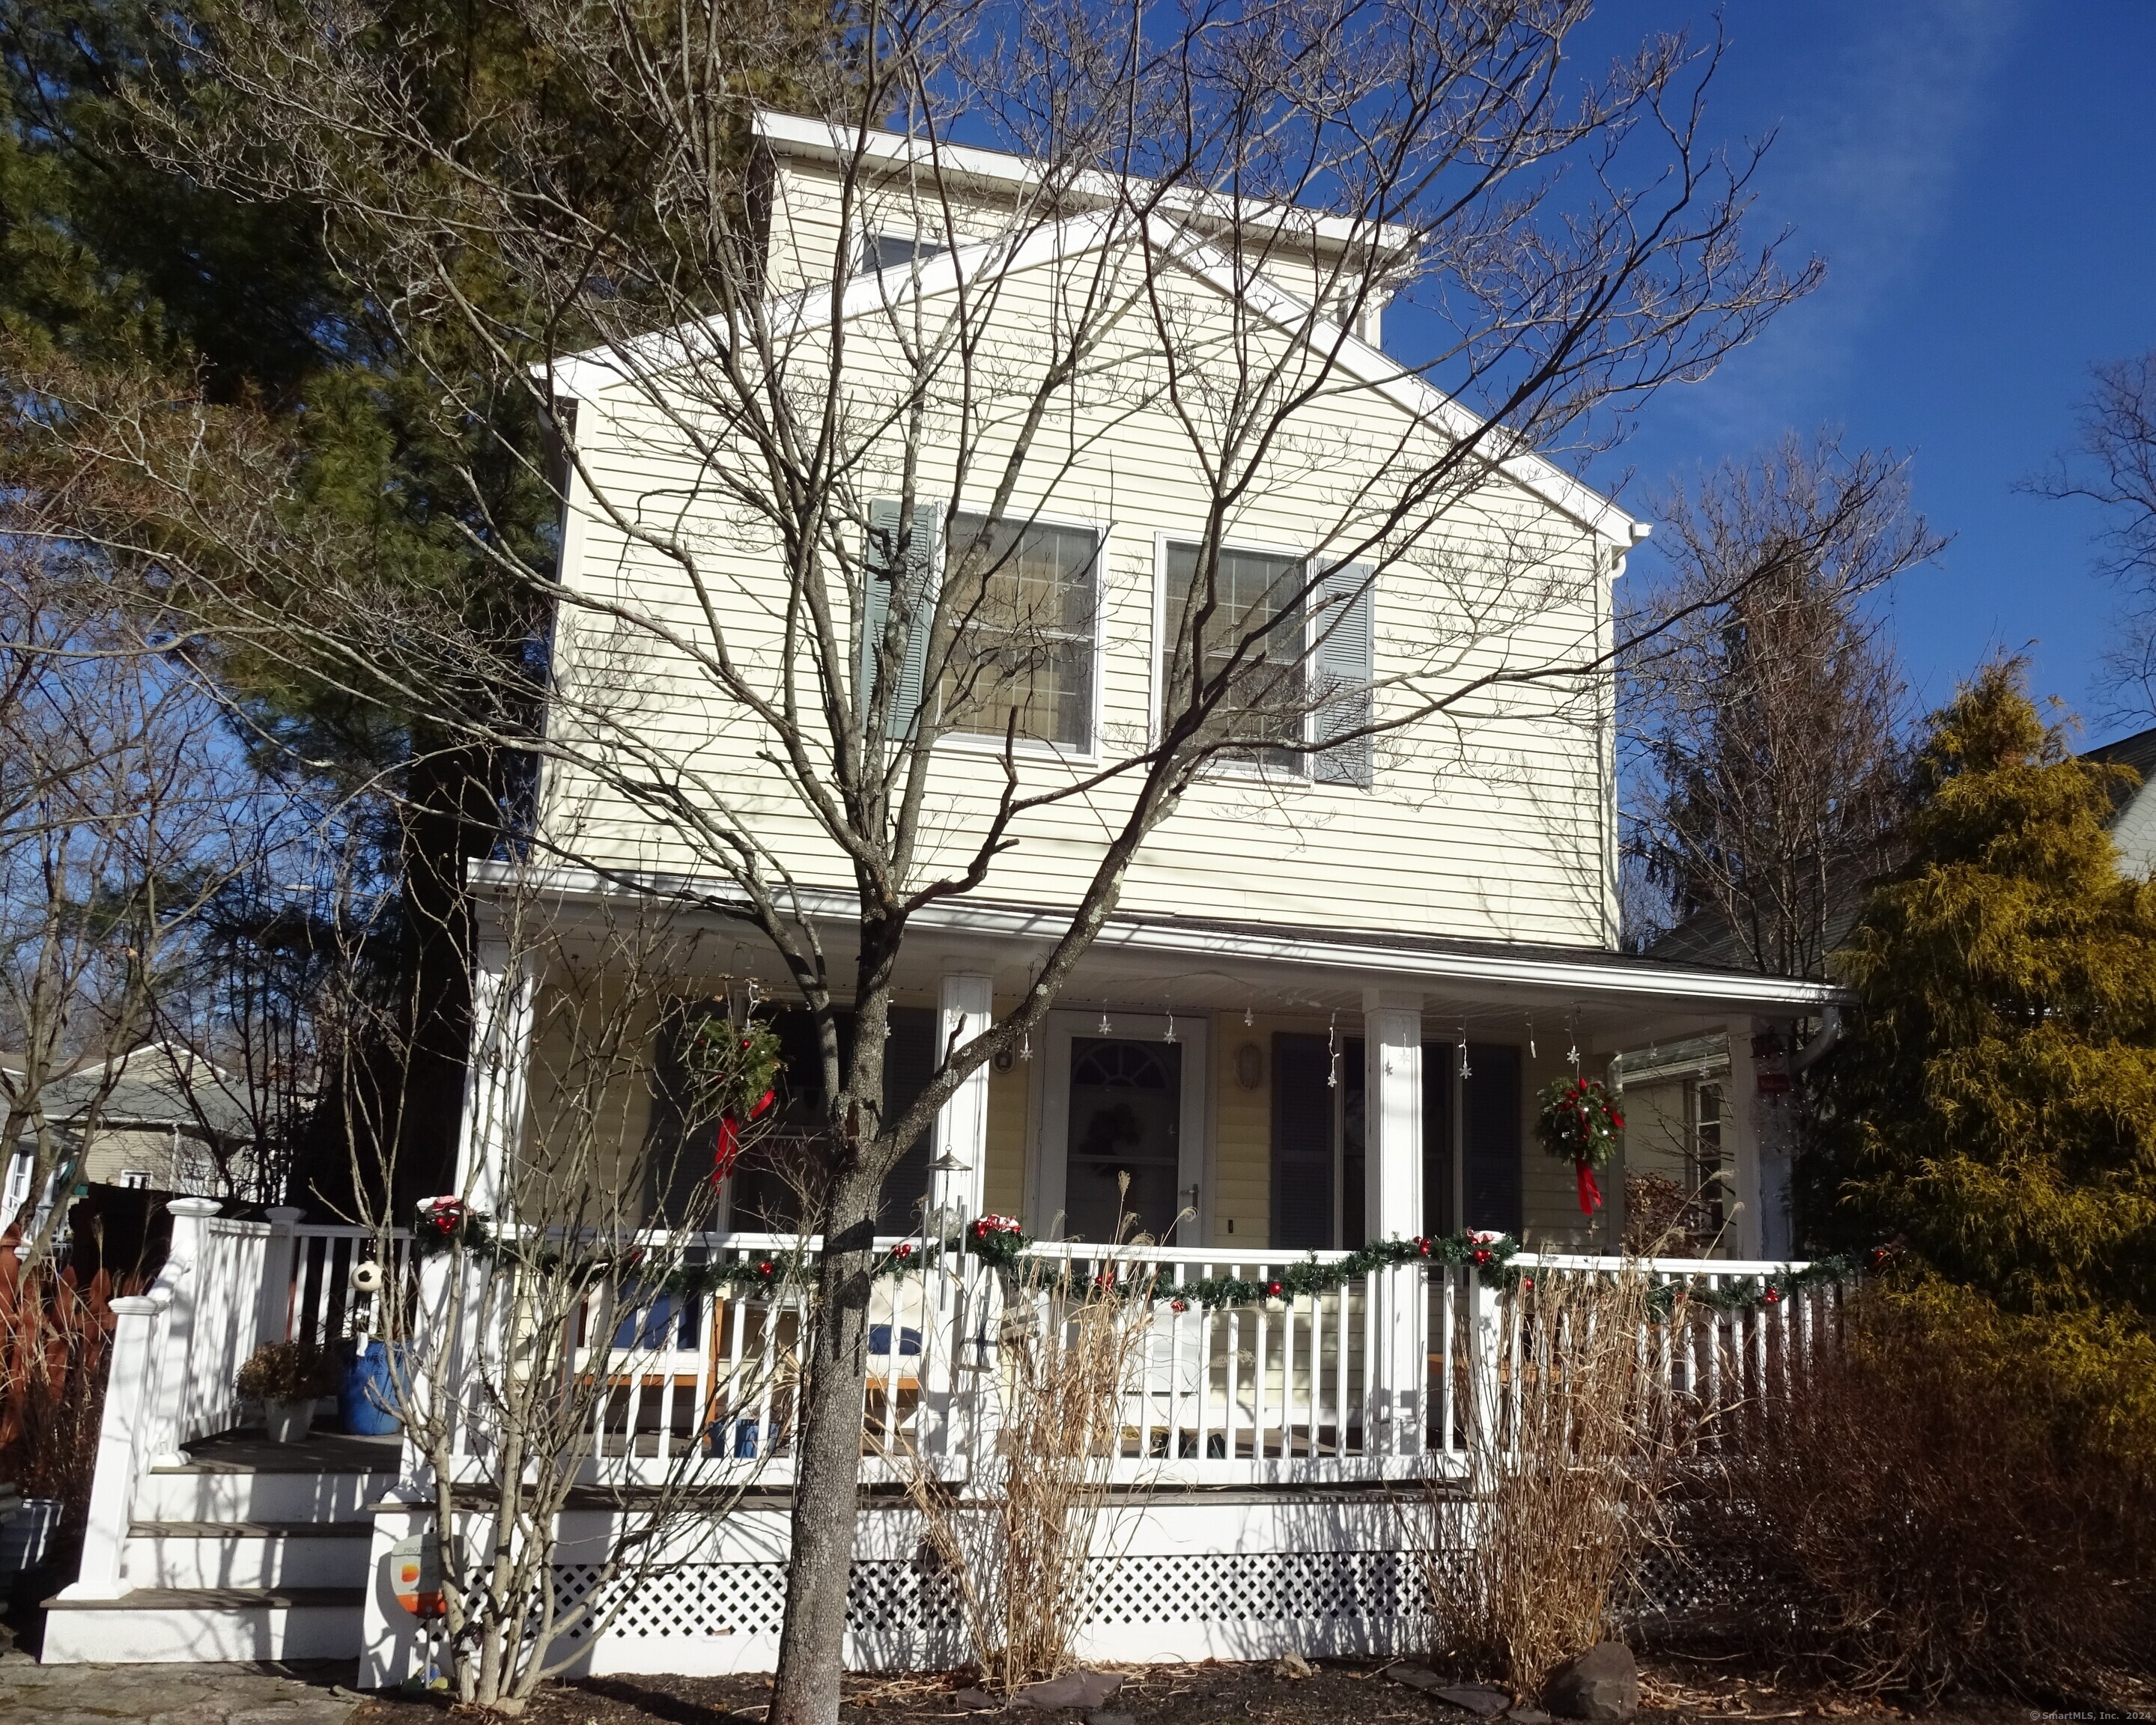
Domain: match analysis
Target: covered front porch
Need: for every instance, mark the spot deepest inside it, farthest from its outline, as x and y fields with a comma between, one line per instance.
x=1287, y=1118
x=1239, y=1090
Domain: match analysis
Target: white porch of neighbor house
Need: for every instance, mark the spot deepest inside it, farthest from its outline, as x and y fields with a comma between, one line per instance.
x=1272, y=1448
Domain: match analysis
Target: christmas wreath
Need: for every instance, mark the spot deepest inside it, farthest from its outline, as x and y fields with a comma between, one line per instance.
x=733, y=1078
x=1580, y=1124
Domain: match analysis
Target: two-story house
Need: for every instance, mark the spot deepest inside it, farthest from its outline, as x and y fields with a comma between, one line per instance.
x=1303, y=920
x=1333, y=980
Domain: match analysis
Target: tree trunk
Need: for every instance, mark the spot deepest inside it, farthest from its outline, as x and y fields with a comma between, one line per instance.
x=826, y=1472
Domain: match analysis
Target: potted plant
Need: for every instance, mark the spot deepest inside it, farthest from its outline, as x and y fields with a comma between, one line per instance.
x=287, y=1378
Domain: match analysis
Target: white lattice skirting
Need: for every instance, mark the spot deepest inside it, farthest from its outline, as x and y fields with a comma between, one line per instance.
x=1176, y=1581
x=1229, y=1605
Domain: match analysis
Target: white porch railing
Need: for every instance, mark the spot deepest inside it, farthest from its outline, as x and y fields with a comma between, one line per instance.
x=1376, y=1378
x=227, y=1286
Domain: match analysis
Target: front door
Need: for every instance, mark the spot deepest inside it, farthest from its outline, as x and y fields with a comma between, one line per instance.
x=1120, y=1150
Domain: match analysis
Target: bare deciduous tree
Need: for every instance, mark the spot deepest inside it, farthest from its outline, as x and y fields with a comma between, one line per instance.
x=122, y=817
x=2114, y=466
x=828, y=463
x=1766, y=726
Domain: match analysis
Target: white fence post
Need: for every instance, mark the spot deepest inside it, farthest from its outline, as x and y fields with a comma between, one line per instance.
x=183, y=1263
x=279, y=1255
x=1485, y=1339
x=112, y=1488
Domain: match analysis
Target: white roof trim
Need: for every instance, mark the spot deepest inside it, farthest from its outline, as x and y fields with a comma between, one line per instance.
x=830, y=141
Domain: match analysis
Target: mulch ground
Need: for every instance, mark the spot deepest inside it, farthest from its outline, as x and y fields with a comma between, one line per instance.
x=1340, y=1692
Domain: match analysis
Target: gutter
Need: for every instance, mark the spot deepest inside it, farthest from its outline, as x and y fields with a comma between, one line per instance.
x=1350, y=957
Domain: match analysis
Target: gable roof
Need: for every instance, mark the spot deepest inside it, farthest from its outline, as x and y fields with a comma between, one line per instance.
x=586, y=373
x=157, y=1087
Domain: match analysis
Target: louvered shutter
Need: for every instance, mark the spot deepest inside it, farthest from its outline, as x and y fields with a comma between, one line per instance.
x=1341, y=668
x=917, y=573
x=1302, y=1144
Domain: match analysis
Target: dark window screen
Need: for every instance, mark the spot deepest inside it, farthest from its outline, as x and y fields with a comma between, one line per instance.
x=1437, y=1059
x=764, y=1198
x=1302, y=1144
x=1493, y=1098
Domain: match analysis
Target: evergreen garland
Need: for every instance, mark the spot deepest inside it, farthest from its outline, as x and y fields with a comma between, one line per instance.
x=999, y=1241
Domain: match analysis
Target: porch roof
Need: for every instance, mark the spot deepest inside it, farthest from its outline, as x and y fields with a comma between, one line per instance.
x=1196, y=962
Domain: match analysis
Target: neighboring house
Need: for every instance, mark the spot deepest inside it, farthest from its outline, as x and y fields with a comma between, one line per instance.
x=1679, y=1094
x=1319, y=1016
x=160, y=1117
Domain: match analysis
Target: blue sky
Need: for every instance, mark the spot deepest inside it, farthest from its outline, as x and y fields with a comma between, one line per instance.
x=1980, y=175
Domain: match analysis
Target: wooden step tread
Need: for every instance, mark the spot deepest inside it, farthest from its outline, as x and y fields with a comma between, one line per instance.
x=363, y=1529
x=218, y=1599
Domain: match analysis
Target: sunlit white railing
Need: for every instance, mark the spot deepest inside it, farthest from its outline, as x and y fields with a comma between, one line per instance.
x=1378, y=1376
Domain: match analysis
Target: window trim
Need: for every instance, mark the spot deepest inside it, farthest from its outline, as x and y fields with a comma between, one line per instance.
x=989, y=743
x=1226, y=767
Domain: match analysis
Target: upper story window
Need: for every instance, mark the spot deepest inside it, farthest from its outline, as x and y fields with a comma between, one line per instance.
x=1299, y=655
x=1025, y=608
x=893, y=251
x=1255, y=591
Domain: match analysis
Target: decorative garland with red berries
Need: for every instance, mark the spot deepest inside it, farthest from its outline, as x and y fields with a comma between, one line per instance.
x=1750, y=1293
x=1001, y=1242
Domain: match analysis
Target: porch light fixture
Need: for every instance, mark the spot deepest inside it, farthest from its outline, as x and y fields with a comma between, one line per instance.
x=948, y=1163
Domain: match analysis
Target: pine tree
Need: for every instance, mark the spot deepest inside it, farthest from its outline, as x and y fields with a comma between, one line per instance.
x=1994, y=1099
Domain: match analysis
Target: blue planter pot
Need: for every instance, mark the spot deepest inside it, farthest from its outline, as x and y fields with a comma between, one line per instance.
x=367, y=1399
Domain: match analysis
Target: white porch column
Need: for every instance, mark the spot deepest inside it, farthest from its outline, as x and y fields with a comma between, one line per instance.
x=504, y=986
x=1755, y=1148
x=496, y=1069
x=967, y=1003
x=1392, y=1185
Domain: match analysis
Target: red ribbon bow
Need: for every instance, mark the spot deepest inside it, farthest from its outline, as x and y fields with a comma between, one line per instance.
x=1590, y=1194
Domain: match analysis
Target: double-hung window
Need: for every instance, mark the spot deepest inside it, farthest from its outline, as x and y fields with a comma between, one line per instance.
x=1023, y=600
x=1294, y=653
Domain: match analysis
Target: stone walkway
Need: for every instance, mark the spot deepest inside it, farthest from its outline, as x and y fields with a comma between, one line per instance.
x=306, y=1693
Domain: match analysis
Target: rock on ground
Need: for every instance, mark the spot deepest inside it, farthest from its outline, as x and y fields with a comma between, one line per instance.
x=1601, y=1685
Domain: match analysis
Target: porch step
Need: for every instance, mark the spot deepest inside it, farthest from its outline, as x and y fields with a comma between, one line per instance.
x=224, y=1555
x=156, y=1625
x=208, y=1492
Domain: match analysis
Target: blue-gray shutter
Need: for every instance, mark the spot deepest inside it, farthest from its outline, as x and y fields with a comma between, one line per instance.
x=918, y=572
x=1341, y=671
